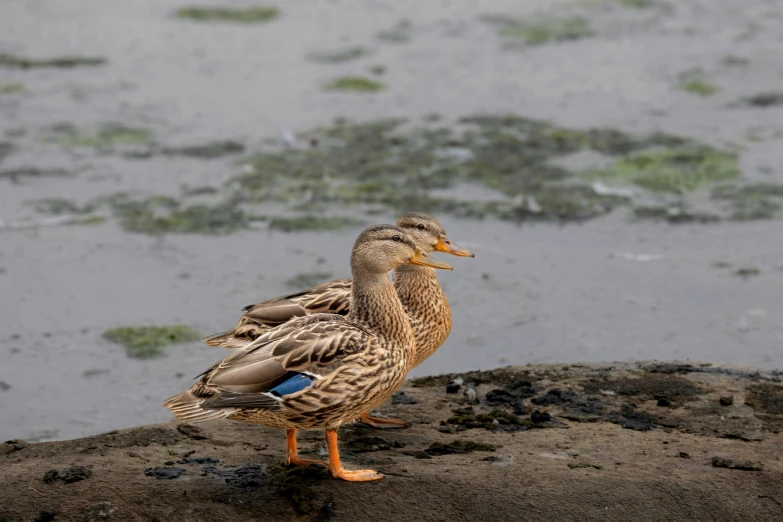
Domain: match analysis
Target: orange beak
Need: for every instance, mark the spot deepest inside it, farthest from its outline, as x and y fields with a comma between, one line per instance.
x=421, y=258
x=448, y=246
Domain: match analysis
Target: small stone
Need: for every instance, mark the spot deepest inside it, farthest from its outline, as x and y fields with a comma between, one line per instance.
x=191, y=431
x=401, y=398
x=663, y=402
x=99, y=511
x=74, y=474
x=168, y=462
x=538, y=417
x=727, y=400
x=162, y=473
x=67, y=475
x=45, y=515
x=453, y=388
x=720, y=462
x=683, y=455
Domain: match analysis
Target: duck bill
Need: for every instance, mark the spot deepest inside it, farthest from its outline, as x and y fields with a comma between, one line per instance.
x=421, y=258
x=448, y=246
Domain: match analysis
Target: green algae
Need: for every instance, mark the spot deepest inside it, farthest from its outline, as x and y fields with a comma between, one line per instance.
x=347, y=54
x=145, y=342
x=163, y=215
x=696, y=82
x=211, y=150
x=11, y=88
x=674, y=171
x=60, y=206
x=751, y=202
x=247, y=15
x=12, y=61
x=399, y=165
x=543, y=31
x=311, y=223
x=354, y=84
x=105, y=136
x=747, y=272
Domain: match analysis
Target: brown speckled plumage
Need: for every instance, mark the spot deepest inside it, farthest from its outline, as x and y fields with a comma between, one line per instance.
x=418, y=289
x=356, y=361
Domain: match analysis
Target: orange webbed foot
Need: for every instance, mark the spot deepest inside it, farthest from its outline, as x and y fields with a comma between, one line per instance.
x=382, y=422
x=336, y=469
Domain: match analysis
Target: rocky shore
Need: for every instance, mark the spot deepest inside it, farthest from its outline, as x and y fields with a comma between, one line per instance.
x=649, y=441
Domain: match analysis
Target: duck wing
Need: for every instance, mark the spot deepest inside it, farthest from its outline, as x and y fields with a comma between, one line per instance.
x=283, y=361
x=332, y=297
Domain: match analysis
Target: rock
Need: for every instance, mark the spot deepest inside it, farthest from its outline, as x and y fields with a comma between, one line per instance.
x=454, y=385
x=401, y=398
x=727, y=400
x=164, y=473
x=458, y=447
x=683, y=455
x=67, y=475
x=198, y=460
x=368, y=444
x=45, y=515
x=720, y=462
x=11, y=446
x=99, y=511
x=191, y=431
x=578, y=465
x=554, y=396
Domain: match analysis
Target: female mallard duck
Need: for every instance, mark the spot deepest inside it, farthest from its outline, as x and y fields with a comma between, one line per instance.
x=321, y=370
x=417, y=286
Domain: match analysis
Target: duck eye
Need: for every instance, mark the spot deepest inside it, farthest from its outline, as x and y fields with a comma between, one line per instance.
x=395, y=238
x=420, y=226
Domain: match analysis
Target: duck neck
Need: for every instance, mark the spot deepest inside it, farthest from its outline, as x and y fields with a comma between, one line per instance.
x=375, y=304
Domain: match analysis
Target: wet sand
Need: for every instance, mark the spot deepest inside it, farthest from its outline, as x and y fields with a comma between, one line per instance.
x=607, y=289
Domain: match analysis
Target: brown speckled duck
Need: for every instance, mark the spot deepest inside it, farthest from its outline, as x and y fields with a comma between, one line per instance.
x=417, y=287
x=321, y=370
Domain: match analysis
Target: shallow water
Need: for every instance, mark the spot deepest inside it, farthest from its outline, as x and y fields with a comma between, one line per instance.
x=609, y=289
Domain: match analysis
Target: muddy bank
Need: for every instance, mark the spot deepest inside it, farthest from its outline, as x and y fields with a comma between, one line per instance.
x=548, y=442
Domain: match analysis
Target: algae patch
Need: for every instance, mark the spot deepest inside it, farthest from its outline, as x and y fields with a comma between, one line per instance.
x=673, y=171
x=161, y=215
x=696, y=82
x=347, y=54
x=144, y=342
x=399, y=165
x=247, y=15
x=105, y=136
x=12, y=61
x=354, y=84
x=313, y=223
x=11, y=88
x=542, y=31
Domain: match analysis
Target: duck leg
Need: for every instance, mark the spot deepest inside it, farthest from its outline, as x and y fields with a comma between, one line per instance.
x=336, y=468
x=382, y=422
x=292, y=455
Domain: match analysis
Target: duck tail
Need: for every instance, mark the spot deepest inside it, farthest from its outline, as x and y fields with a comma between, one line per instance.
x=187, y=406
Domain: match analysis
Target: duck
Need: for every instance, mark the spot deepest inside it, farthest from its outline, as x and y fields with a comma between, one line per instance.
x=321, y=370
x=417, y=287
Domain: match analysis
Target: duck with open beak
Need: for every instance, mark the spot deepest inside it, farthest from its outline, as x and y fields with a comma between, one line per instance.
x=417, y=285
